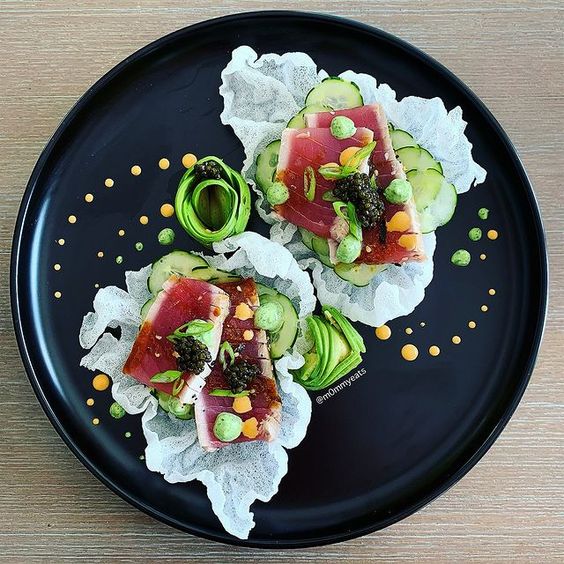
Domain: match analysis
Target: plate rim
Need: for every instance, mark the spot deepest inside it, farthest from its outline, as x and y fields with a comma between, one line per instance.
x=221, y=535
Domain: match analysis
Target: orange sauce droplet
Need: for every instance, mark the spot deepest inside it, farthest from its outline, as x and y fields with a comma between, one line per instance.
x=61, y=242
x=167, y=210
x=346, y=154
x=72, y=218
x=100, y=382
x=57, y=294
x=121, y=232
x=57, y=266
x=188, y=160
x=100, y=254
x=250, y=428
x=484, y=308
x=434, y=350
x=89, y=198
x=242, y=404
x=491, y=292
x=408, y=330
x=164, y=164
x=95, y=421
x=482, y=256
x=108, y=182
x=456, y=340
x=143, y=220
x=422, y=324
x=90, y=402
x=409, y=352
x=383, y=332
x=472, y=324
x=248, y=334
x=493, y=234
x=136, y=170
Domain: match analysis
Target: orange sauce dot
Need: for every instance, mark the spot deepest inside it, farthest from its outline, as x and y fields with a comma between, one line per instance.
x=188, y=160
x=96, y=285
x=72, y=219
x=422, y=324
x=491, y=292
x=164, y=164
x=100, y=382
x=472, y=324
x=89, y=198
x=383, y=332
x=143, y=220
x=121, y=232
x=57, y=266
x=346, y=154
x=456, y=340
x=484, y=308
x=493, y=234
x=434, y=350
x=136, y=170
x=108, y=182
x=482, y=256
x=408, y=330
x=409, y=352
x=95, y=421
x=167, y=210
x=90, y=402
x=57, y=294
x=61, y=242
x=100, y=254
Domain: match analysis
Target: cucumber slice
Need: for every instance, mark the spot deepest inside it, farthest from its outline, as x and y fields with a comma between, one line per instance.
x=177, y=262
x=298, y=121
x=307, y=237
x=417, y=158
x=286, y=336
x=440, y=210
x=267, y=162
x=426, y=185
x=401, y=139
x=146, y=307
x=336, y=93
x=320, y=246
x=359, y=274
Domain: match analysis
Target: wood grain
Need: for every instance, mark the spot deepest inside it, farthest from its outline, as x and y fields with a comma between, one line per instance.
x=510, y=507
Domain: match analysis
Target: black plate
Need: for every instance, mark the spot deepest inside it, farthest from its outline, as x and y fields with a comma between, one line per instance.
x=398, y=436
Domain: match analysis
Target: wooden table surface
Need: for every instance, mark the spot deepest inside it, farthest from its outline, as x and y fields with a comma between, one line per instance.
x=511, y=506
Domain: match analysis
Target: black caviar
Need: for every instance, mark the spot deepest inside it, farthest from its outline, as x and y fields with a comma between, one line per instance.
x=367, y=200
x=240, y=374
x=193, y=355
x=208, y=170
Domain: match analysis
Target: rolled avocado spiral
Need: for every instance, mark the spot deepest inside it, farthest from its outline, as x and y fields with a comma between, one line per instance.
x=212, y=209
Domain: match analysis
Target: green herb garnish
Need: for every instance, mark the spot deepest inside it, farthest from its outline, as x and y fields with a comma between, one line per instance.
x=166, y=377
x=226, y=348
x=191, y=329
x=309, y=183
x=229, y=393
x=337, y=172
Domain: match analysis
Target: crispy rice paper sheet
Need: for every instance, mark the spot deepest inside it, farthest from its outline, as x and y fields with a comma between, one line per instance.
x=237, y=475
x=261, y=95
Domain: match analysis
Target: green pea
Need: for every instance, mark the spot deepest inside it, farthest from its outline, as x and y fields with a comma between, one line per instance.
x=227, y=426
x=116, y=410
x=342, y=127
x=461, y=258
x=166, y=236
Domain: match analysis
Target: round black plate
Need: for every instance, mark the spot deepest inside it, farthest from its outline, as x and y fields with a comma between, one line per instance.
x=377, y=450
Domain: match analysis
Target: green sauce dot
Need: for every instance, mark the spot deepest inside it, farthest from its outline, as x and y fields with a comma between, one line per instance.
x=166, y=236
x=139, y=246
x=475, y=234
x=461, y=258
x=116, y=410
x=483, y=213
x=119, y=259
x=127, y=434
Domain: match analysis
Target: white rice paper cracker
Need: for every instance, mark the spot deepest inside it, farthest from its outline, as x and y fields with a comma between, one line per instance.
x=280, y=84
x=236, y=475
